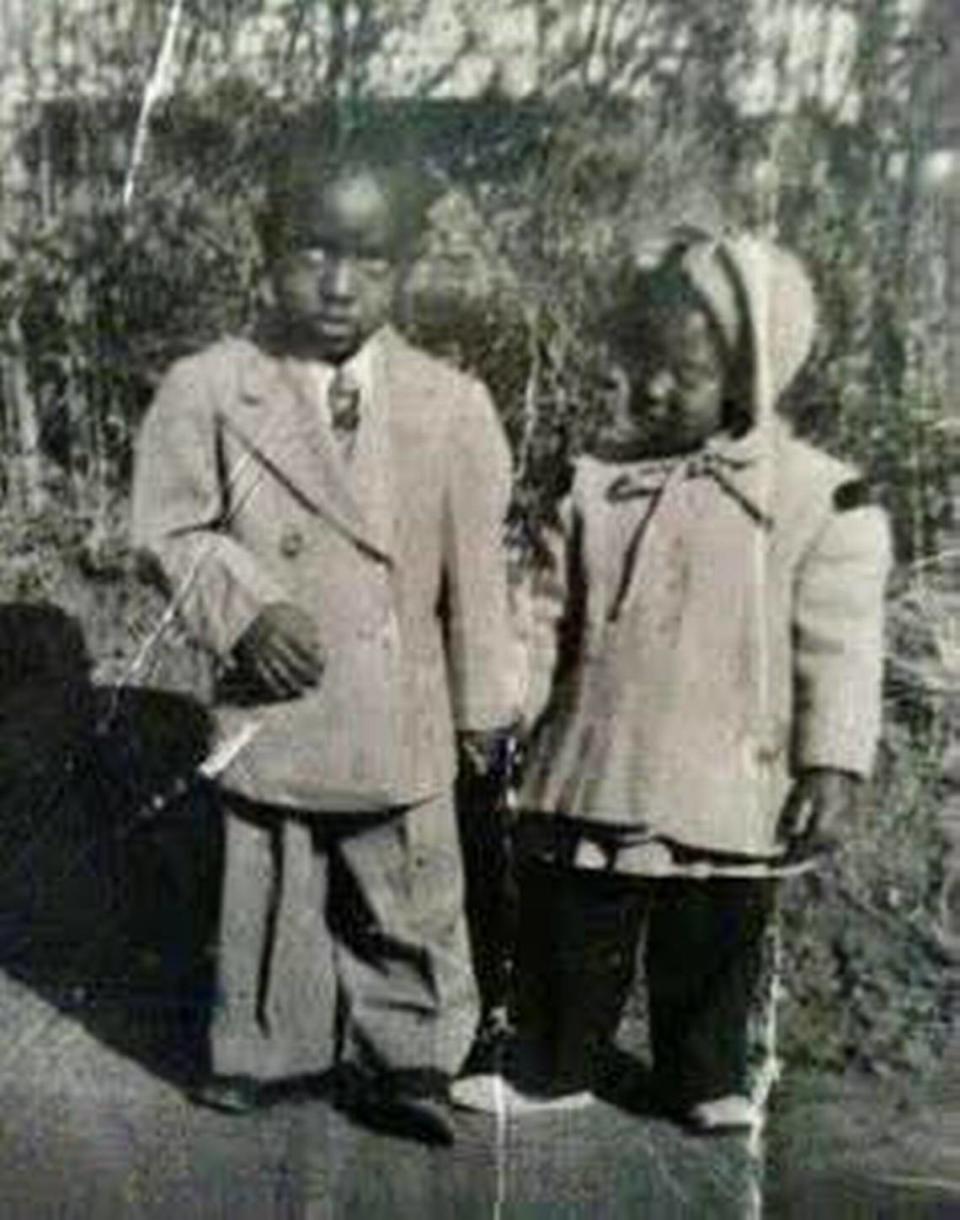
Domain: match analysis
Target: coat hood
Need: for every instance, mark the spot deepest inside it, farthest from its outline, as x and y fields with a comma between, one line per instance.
x=762, y=302
x=781, y=316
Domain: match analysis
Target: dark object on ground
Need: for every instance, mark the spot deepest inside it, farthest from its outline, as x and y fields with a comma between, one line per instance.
x=416, y=1110
x=99, y=910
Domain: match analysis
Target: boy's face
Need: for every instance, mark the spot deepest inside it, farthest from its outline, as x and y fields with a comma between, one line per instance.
x=664, y=387
x=336, y=286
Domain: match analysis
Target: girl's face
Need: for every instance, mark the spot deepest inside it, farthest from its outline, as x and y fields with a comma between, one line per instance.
x=664, y=391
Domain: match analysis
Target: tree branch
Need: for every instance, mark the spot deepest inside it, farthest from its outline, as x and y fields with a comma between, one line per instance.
x=157, y=85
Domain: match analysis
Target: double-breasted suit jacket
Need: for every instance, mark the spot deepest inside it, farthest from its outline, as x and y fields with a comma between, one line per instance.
x=243, y=498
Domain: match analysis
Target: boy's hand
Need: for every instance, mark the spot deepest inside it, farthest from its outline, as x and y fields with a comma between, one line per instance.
x=487, y=752
x=280, y=652
x=820, y=799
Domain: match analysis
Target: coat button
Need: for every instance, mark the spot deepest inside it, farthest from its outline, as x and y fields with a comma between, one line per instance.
x=291, y=543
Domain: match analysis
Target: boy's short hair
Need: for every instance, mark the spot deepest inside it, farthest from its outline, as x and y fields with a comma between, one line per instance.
x=313, y=153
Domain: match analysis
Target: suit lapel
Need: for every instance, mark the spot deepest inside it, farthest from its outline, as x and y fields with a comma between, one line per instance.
x=413, y=423
x=278, y=424
x=370, y=470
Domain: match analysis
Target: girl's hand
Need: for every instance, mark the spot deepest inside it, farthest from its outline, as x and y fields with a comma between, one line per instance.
x=820, y=799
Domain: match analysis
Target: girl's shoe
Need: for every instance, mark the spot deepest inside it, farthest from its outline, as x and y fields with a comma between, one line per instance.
x=724, y=1115
x=493, y=1093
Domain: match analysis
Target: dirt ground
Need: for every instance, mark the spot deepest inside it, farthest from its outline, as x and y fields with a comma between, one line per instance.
x=94, y=1125
x=99, y=1043
x=858, y=1148
x=103, y=976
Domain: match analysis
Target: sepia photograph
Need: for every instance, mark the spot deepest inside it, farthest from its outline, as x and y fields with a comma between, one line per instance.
x=480, y=609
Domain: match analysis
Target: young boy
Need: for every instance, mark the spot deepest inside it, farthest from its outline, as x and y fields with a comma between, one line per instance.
x=326, y=502
x=715, y=691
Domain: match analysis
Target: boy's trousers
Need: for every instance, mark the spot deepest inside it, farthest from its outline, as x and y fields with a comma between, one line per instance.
x=342, y=939
x=579, y=932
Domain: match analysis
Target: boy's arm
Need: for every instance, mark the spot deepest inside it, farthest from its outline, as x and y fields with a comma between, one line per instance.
x=838, y=663
x=483, y=651
x=180, y=522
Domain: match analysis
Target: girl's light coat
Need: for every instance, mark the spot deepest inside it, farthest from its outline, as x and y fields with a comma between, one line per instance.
x=725, y=638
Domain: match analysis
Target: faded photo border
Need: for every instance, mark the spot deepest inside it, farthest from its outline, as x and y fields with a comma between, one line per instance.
x=558, y=146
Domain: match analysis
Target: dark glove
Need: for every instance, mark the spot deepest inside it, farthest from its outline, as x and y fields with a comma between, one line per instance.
x=279, y=654
x=487, y=753
x=820, y=799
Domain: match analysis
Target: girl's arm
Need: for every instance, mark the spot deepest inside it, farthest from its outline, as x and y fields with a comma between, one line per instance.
x=838, y=640
x=540, y=597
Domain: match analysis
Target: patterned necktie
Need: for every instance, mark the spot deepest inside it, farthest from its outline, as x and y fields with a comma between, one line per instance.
x=343, y=397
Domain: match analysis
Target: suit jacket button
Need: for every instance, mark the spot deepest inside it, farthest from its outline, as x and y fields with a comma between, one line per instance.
x=291, y=543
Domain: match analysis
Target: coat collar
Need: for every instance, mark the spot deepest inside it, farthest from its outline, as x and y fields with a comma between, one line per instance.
x=275, y=419
x=741, y=468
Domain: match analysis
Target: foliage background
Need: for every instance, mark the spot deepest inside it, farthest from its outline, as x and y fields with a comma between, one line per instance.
x=630, y=118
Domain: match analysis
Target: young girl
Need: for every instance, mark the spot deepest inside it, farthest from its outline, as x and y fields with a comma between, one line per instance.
x=715, y=690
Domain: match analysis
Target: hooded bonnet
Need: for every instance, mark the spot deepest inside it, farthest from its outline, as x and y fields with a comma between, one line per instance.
x=760, y=299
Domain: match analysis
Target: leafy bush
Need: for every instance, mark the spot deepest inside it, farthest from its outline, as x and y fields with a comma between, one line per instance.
x=864, y=981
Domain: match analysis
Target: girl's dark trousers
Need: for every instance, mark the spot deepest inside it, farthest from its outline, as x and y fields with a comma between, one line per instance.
x=579, y=932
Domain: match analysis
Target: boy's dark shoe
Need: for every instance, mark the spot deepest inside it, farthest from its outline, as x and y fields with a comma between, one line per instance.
x=415, y=1107
x=239, y=1094
x=230, y=1094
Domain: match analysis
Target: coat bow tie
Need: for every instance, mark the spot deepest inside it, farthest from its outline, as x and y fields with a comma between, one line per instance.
x=650, y=479
x=724, y=468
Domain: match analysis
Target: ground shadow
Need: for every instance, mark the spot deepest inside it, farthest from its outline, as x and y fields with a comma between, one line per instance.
x=106, y=901
x=625, y=1080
